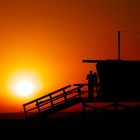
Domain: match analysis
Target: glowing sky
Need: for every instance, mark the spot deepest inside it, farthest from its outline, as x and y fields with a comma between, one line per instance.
x=50, y=38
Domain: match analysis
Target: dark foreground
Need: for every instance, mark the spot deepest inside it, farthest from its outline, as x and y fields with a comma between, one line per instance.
x=104, y=124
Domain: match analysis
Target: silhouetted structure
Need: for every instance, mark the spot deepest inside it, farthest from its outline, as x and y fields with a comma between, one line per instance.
x=119, y=80
x=54, y=102
x=115, y=81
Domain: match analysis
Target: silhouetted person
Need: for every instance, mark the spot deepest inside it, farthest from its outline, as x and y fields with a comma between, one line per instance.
x=91, y=80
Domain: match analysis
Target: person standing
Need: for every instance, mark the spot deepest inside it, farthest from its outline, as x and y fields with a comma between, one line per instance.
x=91, y=80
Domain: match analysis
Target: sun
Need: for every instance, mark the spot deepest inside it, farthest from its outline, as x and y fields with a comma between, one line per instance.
x=24, y=88
x=24, y=84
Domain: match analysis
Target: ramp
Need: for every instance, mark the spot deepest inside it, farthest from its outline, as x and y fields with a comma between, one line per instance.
x=54, y=102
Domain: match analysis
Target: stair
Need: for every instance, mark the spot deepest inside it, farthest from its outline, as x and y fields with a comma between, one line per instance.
x=55, y=101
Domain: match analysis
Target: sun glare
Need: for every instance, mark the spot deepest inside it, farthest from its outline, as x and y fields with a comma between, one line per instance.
x=24, y=84
x=24, y=88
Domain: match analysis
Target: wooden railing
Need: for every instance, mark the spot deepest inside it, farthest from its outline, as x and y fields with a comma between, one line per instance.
x=53, y=99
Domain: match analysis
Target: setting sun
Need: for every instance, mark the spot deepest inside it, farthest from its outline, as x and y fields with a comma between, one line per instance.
x=24, y=84
x=24, y=88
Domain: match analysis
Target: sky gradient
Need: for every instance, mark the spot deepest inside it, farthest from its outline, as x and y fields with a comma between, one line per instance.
x=46, y=41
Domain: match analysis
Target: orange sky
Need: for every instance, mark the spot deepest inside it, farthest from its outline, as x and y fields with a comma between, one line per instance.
x=49, y=39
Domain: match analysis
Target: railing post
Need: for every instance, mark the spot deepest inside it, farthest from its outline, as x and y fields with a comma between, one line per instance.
x=65, y=96
x=25, y=111
x=79, y=91
x=37, y=104
x=51, y=100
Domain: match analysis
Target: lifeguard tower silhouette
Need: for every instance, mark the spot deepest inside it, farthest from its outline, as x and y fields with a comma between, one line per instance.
x=118, y=82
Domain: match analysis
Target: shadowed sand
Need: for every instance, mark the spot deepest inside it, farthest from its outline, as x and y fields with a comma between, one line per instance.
x=72, y=125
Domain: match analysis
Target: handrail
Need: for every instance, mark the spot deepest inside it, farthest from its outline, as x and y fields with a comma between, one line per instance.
x=59, y=96
x=52, y=99
x=47, y=95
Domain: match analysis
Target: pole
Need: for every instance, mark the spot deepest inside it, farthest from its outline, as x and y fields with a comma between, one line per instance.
x=118, y=45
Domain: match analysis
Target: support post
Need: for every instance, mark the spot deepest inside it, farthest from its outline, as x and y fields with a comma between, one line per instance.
x=119, y=57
